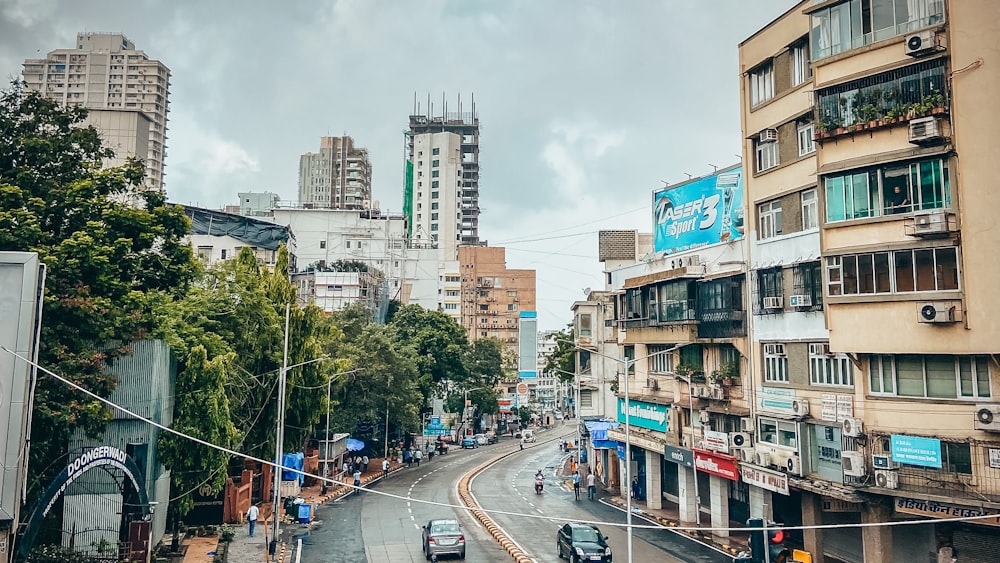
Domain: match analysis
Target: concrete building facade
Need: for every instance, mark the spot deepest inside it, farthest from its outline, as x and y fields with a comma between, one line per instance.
x=874, y=335
x=339, y=176
x=435, y=202
x=105, y=71
x=492, y=296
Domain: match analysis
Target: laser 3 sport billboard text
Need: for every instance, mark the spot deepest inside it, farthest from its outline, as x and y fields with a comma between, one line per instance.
x=698, y=213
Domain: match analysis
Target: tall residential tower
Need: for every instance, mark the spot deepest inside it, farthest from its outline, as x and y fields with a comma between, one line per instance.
x=339, y=176
x=125, y=91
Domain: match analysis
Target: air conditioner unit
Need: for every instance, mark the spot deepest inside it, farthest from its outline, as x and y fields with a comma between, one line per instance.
x=800, y=301
x=719, y=393
x=921, y=44
x=768, y=136
x=852, y=427
x=686, y=441
x=652, y=383
x=926, y=130
x=988, y=418
x=704, y=417
x=937, y=312
x=794, y=465
x=853, y=464
x=883, y=462
x=738, y=440
x=800, y=407
x=775, y=349
x=819, y=349
x=700, y=391
x=887, y=479
x=748, y=455
x=773, y=303
x=931, y=223
x=746, y=424
x=763, y=459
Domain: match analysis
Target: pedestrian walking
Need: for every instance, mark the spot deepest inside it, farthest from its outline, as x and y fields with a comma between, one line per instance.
x=418, y=454
x=364, y=463
x=591, y=486
x=635, y=488
x=357, y=480
x=576, y=485
x=385, y=467
x=408, y=458
x=521, y=443
x=252, y=514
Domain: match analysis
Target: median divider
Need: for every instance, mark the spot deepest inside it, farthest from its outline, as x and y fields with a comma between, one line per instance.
x=469, y=500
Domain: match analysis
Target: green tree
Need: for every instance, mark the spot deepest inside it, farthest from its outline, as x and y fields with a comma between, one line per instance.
x=524, y=414
x=437, y=341
x=111, y=247
x=562, y=361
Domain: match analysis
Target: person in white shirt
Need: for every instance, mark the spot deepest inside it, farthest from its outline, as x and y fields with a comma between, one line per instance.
x=591, y=486
x=418, y=454
x=252, y=514
x=385, y=467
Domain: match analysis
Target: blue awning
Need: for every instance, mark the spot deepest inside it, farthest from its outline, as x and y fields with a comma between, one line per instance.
x=599, y=429
x=605, y=444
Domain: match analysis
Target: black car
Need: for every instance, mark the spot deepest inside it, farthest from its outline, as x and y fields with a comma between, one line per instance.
x=582, y=542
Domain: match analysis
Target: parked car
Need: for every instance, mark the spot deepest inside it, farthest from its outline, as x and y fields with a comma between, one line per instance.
x=482, y=440
x=469, y=442
x=529, y=436
x=582, y=542
x=443, y=537
x=491, y=438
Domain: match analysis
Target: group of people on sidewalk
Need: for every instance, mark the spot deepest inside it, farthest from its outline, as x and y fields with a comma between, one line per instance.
x=591, y=484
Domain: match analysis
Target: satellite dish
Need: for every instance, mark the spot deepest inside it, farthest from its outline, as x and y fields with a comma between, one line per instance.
x=586, y=291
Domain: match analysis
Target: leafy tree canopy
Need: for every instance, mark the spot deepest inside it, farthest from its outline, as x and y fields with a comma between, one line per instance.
x=562, y=361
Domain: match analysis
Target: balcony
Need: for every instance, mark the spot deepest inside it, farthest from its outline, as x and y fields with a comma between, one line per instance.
x=722, y=323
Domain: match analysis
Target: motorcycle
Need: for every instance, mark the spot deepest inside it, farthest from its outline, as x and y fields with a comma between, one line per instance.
x=538, y=487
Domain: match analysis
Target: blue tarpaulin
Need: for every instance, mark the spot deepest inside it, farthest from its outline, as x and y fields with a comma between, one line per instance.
x=295, y=461
x=599, y=429
x=355, y=445
x=605, y=444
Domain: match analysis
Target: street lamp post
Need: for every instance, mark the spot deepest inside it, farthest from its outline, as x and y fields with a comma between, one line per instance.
x=628, y=363
x=326, y=453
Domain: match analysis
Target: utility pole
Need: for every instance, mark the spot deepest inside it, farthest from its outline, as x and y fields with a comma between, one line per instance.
x=280, y=435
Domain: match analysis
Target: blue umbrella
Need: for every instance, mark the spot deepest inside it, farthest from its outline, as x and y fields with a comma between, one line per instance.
x=355, y=445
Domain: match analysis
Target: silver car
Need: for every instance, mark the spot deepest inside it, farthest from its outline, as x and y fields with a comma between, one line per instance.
x=443, y=537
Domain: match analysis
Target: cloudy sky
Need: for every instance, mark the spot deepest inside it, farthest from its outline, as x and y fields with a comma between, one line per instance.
x=584, y=106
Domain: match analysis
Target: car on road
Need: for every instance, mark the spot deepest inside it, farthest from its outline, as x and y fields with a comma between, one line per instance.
x=529, y=436
x=469, y=442
x=491, y=438
x=443, y=537
x=582, y=542
x=482, y=440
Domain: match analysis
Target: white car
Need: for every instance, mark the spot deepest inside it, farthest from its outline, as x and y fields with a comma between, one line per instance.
x=529, y=436
x=482, y=439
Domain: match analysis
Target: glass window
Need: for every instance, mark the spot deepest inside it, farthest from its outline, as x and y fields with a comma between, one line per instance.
x=900, y=271
x=778, y=432
x=435, y=151
x=801, y=71
x=435, y=173
x=585, y=329
x=856, y=23
x=775, y=363
x=434, y=184
x=761, y=84
x=434, y=195
x=935, y=376
x=810, y=210
x=435, y=163
x=767, y=155
x=806, y=143
x=829, y=369
x=770, y=219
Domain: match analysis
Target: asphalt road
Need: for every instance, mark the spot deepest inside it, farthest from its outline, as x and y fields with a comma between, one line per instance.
x=509, y=486
x=379, y=529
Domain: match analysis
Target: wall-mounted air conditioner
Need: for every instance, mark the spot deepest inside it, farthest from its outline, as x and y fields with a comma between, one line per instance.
x=704, y=417
x=793, y=465
x=938, y=312
x=883, y=462
x=773, y=303
x=926, y=130
x=748, y=455
x=988, y=418
x=768, y=136
x=652, y=383
x=930, y=224
x=800, y=301
x=738, y=440
x=853, y=464
x=887, y=479
x=718, y=393
x=763, y=459
x=852, y=427
x=800, y=407
x=921, y=44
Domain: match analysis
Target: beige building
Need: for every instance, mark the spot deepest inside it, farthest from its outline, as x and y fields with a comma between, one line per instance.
x=493, y=296
x=875, y=330
x=339, y=176
x=106, y=72
x=436, y=204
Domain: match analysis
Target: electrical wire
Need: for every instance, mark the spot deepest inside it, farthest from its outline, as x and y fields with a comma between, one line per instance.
x=410, y=499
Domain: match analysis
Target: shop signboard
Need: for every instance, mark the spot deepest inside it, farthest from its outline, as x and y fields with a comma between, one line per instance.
x=777, y=401
x=644, y=415
x=914, y=450
x=716, y=441
x=835, y=408
x=636, y=440
x=993, y=457
x=765, y=478
x=716, y=464
x=933, y=509
x=680, y=456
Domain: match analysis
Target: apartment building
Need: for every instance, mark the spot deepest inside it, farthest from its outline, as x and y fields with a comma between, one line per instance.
x=493, y=297
x=126, y=91
x=339, y=176
x=217, y=236
x=874, y=328
x=455, y=179
x=681, y=317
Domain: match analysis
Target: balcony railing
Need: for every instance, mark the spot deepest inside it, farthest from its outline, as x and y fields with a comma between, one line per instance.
x=722, y=323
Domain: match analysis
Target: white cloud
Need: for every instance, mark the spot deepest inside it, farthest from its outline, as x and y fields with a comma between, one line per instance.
x=27, y=13
x=203, y=167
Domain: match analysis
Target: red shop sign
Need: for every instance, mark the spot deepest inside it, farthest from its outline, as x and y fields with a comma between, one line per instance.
x=716, y=464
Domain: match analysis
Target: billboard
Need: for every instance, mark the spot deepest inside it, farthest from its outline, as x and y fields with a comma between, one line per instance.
x=527, y=346
x=644, y=415
x=698, y=213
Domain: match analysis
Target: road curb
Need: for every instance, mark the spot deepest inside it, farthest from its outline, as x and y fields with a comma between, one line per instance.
x=465, y=493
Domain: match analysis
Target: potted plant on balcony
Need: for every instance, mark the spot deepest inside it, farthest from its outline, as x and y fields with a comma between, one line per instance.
x=690, y=372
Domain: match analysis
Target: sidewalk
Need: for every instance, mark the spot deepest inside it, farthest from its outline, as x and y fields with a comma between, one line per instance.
x=244, y=549
x=668, y=516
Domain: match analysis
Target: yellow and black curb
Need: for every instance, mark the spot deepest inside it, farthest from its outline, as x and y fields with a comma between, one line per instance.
x=694, y=534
